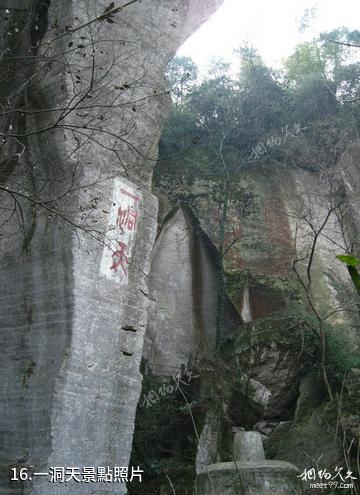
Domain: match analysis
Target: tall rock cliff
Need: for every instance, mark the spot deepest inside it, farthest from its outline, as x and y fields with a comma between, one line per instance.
x=83, y=100
x=265, y=377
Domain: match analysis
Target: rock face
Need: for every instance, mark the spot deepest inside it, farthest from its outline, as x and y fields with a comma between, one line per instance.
x=249, y=473
x=252, y=478
x=260, y=247
x=248, y=446
x=76, y=164
x=177, y=333
x=275, y=351
x=283, y=199
x=183, y=283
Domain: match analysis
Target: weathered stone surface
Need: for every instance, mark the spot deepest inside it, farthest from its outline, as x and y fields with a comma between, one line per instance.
x=261, y=254
x=284, y=198
x=262, y=394
x=276, y=368
x=314, y=440
x=177, y=331
x=248, y=446
x=252, y=478
x=183, y=284
x=310, y=396
x=207, y=449
x=70, y=373
x=249, y=473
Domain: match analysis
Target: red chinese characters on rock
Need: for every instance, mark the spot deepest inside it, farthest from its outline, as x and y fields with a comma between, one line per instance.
x=127, y=217
x=126, y=222
x=120, y=258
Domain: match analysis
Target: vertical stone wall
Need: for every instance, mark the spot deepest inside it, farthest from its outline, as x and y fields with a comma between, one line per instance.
x=75, y=251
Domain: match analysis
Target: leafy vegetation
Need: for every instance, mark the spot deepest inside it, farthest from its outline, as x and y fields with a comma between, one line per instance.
x=225, y=126
x=341, y=356
x=352, y=262
x=164, y=443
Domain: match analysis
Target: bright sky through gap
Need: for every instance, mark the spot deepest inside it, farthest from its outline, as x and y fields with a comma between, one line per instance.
x=272, y=27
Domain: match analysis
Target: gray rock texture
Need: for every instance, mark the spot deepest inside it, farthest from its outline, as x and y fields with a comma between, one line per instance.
x=263, y=242
x=249, y=473
x=183, y=283
x=207, y=448
x=252, y=478
x=248, y=446
x=72, y=333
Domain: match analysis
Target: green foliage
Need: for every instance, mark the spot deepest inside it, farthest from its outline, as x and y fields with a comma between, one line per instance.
x=322, y=73
x=306, y=60
x=233, y=113
x=312, y=99
x=180, y=134
x=287, y=287
x=237, y=113
x=340, y=356
x=181, y=76
x=165, y=441
x=348, y=259
x=355, y=277
x=351, y=261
